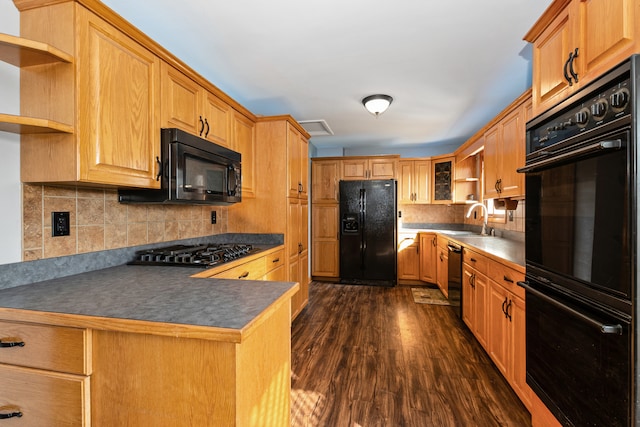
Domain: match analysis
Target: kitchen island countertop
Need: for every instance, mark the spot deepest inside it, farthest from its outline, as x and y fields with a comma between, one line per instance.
x=148, y=299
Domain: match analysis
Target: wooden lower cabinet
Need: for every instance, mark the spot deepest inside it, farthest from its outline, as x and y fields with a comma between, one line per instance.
x=132, y=377
x=428, y=257
x=408, y=257
x=442, y=266
x=494, y=310
x=474, y=291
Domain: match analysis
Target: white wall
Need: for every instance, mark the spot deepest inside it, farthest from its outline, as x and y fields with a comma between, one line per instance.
x=10, y=192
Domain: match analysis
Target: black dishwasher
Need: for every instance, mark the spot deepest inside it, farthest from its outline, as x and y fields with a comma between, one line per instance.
x=455, y=277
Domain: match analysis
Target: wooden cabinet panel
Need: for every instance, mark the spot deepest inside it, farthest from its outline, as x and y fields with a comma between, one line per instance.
x=414, y=181
x=297, y=163
x=218, y=115
x=45, y=347
x=252, y=270
x=118, y=106
x=442, y=268
x=504, y=152
x=409, y=257
x=244, y=141
x=475, y=294
x=325, y=240
x=518, y=341
x=44, y=398
x=355, y=168
x=497, y=324
x=180, y=100
x=428, y=257
x=325, y=175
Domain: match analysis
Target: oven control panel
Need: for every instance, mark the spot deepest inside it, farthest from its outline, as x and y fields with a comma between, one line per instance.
x=604, y=106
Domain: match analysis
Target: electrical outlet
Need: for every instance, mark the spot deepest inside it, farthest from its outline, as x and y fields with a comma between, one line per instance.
x=510, y=216
x=213, y=217
x=60, y=224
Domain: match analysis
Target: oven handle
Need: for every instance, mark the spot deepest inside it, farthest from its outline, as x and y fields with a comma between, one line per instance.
x=605, y=329
x=614, y=144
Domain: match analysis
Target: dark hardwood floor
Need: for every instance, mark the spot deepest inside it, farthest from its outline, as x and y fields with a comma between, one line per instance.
x=369, y=356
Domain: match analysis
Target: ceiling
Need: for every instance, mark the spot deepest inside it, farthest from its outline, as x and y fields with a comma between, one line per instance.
x=449, y=65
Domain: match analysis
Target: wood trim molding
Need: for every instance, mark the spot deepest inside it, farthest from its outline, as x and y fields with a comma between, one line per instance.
x=545, y=19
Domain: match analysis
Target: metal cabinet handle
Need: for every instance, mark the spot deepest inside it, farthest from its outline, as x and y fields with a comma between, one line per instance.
x=201, y=126
x=159, y=174
x=566, y=67
x=508, y=310
x=206, y=133
x=506, y=279
x=441, y=257
x=434, y=241
x=571, y=70
x=11, y=344
x=276, y=260
x=243, y=275
x=472, y=280
x=504, y=304
x=10, y=415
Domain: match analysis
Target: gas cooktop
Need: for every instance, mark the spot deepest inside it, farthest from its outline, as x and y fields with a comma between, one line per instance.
x=193, y=255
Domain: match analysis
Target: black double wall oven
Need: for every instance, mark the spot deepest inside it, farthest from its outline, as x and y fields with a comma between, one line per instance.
x=581, y=248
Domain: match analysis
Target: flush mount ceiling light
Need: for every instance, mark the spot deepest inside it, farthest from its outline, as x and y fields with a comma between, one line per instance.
x=377, y=104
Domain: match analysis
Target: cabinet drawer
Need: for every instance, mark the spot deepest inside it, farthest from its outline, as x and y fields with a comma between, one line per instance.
x=274, y=260
x=507, y=277
x=475, y=260
x=43, y=398
x=252, y=270
x=55, y=348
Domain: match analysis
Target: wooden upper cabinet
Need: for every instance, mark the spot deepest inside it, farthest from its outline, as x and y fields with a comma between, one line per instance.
x=297, y=163
x=414, y=181
x=325, y=175
x=117, y=114
x=356, y=168
x=244, y=142
x=443, y=176
x=601, y=32
x=190, y=107
x=504, y=152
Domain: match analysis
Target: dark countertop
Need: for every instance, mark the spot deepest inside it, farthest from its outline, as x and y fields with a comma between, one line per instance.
x=149, y=294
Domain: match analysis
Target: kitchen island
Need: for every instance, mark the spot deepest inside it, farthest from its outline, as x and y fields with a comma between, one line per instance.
x=135, y=345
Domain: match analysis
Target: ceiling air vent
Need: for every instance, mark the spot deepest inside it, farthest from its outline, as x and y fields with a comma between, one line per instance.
x=316, y=127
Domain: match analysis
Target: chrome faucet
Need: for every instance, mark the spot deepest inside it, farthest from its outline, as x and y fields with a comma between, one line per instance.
x=485, y=230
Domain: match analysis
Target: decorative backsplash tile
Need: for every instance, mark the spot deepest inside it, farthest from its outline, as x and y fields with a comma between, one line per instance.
x=100, y=222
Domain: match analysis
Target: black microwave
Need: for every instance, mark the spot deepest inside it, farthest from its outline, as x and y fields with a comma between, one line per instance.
x=192, y=171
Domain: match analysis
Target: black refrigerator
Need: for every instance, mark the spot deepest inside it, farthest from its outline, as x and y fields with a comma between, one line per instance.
x=368, y=232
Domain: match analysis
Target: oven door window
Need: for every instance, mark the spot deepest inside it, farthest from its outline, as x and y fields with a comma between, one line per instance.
x=577, y=220
x=203, y=177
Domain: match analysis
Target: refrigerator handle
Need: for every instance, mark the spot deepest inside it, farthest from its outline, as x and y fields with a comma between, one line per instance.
x=363, y=228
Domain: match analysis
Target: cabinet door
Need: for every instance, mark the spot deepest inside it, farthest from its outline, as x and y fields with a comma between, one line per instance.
x=118, y=106
x=428, y=256
x=354, y=169
x=405, y=181
x=180, y=103
x=326, y=246
x=481, y=292
x=442, y=271
x=468, y=297
x=512, y=147
x=325, y=175
x=245, y=143
x=550, y=53
x=443, y=175
x=492, y=163
x=304, y=167
x=382, y=168
x=517, y=350
x=610, y=34
x=422, y=181
x=218, y=115
x=498, y=333
x=294, y=161
x=409, y=259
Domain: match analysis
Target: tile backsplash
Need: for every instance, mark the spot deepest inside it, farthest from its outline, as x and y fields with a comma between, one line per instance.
x=456, y=214
x=100, y=222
